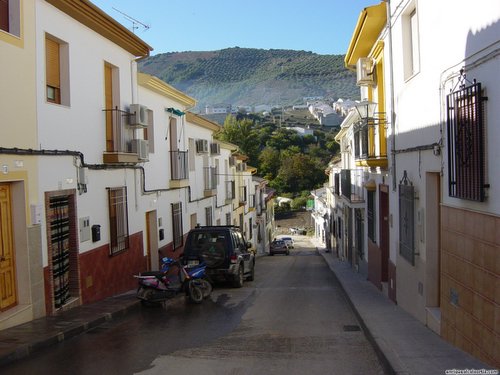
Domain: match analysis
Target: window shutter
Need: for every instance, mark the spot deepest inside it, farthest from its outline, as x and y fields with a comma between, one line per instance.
x=52, y=63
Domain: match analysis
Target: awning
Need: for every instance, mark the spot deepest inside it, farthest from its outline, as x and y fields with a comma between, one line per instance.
x=176, y=112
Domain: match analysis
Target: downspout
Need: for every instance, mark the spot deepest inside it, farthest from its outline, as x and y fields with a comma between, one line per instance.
x=391, y=93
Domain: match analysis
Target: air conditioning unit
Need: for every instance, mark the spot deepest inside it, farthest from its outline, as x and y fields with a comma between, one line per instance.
x=364, y=72
x=141, y=148
x=201, y=146
x=214, y=148
x=138, y=115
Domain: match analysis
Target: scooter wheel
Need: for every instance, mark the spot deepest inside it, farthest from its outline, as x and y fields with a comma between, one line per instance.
x=206, y=288
x=195, y=294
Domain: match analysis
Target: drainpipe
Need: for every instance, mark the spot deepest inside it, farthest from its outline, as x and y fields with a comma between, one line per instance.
x=391, y=93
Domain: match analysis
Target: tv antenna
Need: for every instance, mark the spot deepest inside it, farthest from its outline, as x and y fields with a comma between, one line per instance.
x=135, y=23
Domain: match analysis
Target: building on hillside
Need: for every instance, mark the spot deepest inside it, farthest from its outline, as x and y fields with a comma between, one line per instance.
x=301, y=131
x=342, y=107
x=325, y=114
x=219, y=109
x=414, y=202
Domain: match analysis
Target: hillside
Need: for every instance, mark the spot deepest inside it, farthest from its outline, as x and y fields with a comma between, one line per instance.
x=246, y=76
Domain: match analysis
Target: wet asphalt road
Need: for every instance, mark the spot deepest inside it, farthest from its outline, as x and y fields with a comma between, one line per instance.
x=293, y=319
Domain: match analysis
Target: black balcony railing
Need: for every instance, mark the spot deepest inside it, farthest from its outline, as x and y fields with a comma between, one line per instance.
x=361, y=141
x=351, y=184
x=179, y=165
x=230, y=190
x=336, y=178
x=243, y=194
x=118, y=136
x=210, y=178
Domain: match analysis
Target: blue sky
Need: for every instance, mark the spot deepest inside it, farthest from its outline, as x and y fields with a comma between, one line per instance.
x=321, y=26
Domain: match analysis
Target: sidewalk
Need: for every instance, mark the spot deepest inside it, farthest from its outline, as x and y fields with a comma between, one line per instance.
x=22, y=340
x=404, y=345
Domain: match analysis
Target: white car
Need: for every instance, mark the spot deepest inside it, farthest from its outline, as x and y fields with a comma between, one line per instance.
x=288, y=241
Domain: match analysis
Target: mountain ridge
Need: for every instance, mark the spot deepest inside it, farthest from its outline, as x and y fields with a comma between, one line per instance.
x=250, y=76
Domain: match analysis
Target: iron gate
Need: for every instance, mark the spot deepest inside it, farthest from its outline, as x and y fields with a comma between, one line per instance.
x=60, y=244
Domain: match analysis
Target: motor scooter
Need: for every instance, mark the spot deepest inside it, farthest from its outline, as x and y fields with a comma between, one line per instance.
x=173, y=278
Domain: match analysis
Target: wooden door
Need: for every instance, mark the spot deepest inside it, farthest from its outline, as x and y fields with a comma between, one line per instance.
x=8, y=295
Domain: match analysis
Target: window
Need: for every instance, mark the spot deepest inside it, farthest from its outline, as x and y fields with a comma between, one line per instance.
x=53, y=73
x=466, y=152
x=118, y=220
x=10, y=17
x=178, y=239
x=208, y=216
x=410, y=43
x=56, y=70
x=228, y=219
x=371, y=214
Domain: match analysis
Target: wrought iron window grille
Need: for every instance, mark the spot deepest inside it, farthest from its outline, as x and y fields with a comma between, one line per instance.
x=466, y=140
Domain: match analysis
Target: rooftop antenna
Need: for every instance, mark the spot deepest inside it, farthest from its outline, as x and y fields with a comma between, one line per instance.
x=135, y=23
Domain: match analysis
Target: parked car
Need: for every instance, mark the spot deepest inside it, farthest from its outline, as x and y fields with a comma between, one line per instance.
x=224, y=250
x=279, y=247
x=288, y=241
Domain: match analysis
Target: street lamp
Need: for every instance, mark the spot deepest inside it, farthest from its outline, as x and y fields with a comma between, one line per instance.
x=366, y=109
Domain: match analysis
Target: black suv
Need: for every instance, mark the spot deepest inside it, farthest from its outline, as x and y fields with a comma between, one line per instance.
x=224, y=250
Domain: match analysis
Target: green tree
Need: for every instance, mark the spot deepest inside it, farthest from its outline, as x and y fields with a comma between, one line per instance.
x=298, y=172
x=269, y=163
x=242, y=134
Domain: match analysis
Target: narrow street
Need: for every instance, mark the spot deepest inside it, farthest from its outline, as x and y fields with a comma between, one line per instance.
x=293, y=319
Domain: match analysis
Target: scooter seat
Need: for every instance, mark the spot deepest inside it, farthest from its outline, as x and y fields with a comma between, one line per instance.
x=158, y=274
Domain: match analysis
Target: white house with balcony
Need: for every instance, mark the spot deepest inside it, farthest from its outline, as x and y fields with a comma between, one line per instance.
x=165, y=177
x=88, y=164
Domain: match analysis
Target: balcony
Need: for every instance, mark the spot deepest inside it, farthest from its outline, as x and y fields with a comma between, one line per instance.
x=121, y=145
x=230, y=192
x=243, y=195
x=251, y=202
x=351, y=184
x=179, y=174
x=210, y=181
x=370, y=149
